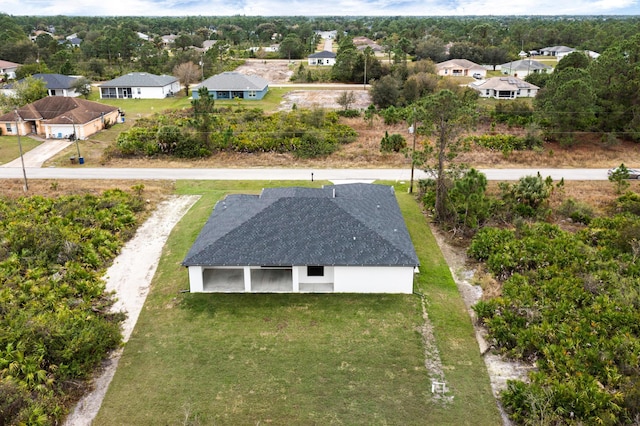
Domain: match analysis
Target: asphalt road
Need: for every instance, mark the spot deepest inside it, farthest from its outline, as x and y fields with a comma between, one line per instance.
x=87, y=172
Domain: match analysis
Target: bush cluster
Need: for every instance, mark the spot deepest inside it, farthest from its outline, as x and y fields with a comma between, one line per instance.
x=503, y=142
x=305, y=133
x=55, y=322
x=570, y=303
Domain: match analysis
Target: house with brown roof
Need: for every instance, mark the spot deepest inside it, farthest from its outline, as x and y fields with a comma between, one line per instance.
x=8, y=69
x=460, y=68
x=56, y=117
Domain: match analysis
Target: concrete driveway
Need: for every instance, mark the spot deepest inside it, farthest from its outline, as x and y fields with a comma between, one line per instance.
x=38, y=155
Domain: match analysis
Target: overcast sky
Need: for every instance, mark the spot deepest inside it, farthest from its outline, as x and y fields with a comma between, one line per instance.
x=318, y=7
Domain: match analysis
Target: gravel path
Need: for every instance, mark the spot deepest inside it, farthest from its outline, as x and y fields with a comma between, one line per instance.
x=130, y=277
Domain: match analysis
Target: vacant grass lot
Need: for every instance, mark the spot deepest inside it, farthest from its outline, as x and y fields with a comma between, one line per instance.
x=295, y=359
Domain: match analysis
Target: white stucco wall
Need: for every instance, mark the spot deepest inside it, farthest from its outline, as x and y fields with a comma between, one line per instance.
x=149, y=92
x=345, y=279
x=373, y=279
x=195, y=279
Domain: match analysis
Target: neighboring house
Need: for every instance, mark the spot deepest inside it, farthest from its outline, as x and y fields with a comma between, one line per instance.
x=326, y=34
x=505, y=88
x=8, y=69
x=348, y=238
x=208, y=44
x=56, y=117
x=325, y=57
x=140, y=85
x=362, y=43
x=557, y=51
x=460, y=68
x=524, y=67
x=234, y=85
x=167, y=40
x=56, y=84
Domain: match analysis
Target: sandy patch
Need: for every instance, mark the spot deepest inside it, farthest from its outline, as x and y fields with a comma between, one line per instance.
x=500, y=369
x=130, y=277
x=323, y=99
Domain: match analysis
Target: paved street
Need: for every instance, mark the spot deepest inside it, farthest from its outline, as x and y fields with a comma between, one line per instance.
x=83, y=172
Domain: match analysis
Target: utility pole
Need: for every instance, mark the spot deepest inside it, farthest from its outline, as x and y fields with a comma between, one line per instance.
x=75, y=135
x=24, y=172
x=413, y=152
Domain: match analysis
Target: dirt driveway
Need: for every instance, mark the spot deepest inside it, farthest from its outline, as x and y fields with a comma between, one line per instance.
x=278, y=73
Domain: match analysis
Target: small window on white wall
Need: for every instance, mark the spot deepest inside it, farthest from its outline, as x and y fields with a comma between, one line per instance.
x=9, y=130
x=139, y=91
x=315, y=271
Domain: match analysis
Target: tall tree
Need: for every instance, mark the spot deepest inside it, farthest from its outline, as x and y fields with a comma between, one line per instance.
x=445, y=115
x=188, y=73
x=343, y=69
x=291, y=47
x=567, y=103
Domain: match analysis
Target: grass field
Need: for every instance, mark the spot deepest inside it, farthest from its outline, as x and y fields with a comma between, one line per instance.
x=10, y=150
x=296, y=358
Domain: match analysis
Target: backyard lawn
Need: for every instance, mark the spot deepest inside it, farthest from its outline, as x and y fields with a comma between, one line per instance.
x=296, y=358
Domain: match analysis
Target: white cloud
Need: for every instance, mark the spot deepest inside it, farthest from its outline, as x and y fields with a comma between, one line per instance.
x=323, y=8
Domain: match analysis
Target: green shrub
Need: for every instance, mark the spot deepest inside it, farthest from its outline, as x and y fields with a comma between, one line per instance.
x=577, y=211
x=314, y=144
x=514, y=113
x=56, y=323
x=349, y=113
x=392, y=143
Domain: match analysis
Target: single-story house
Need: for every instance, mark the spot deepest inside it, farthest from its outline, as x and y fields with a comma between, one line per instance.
x=347, y=238
x=524, y=67
x=232, y=85
x=57, y=117
x=140, y=85
x=461, y=68
x=8, y=69
x=322, y=58
x=505, y=88
x=557, y=51
x=364, y=42
x=56, y=84
x=326, y=34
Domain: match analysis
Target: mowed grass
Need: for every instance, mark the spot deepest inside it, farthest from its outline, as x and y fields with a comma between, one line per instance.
x=295, y=358
x=10, y=149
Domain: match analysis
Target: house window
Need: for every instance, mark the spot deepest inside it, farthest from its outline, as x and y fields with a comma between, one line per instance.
x=488, y=92
x=315, y=271
x=139, y=90
x=9, y=130
x=252, y=93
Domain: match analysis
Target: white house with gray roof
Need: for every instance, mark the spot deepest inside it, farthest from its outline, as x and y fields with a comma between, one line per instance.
x=524, y=67
x=325, y=58
x=348, y=238
x=140, y=85
x=505, y=88
x=56, y=85
x=234, y=85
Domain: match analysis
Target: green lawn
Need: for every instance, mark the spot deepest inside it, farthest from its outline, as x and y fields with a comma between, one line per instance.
x=295, y=358
x=10, y=150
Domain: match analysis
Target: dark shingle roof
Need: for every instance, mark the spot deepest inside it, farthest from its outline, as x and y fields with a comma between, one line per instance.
x=323, y=54
x=233, y=81
x=355, y=224
x=52, y=81
x=140, y=79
